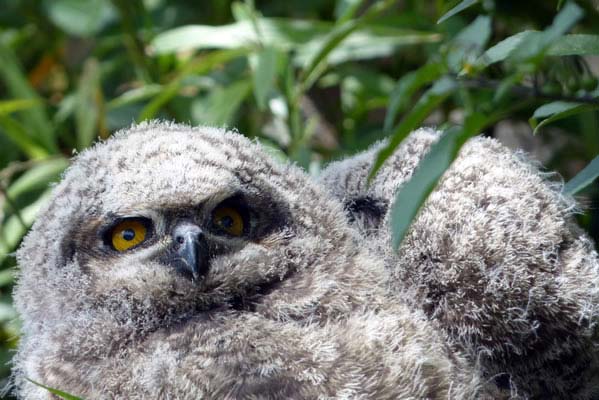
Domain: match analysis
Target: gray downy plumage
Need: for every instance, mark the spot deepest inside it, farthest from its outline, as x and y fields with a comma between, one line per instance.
x=494, y=258
x=296, y=307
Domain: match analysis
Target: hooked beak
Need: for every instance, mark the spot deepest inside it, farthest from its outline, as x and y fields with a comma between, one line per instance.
x=191, y=250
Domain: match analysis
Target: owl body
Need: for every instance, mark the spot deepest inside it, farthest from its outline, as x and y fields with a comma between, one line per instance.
x=178, y=262
x=495, y=260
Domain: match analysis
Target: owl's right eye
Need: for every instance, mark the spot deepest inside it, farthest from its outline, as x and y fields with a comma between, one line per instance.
x=128, y=233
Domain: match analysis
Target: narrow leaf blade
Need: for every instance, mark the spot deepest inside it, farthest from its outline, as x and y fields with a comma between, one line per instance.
x=15, y=227
x=504, y=49
x=80, y=17
x=199, y=66
x=135, y=95
x=38, y=176
x=415, y=191
x=264, y=74
x=413, y=194
x=17, y=133
x=425, y=105
x=406, y=87
x=10, y=106
x=35, y=119
x=339, y=34
x=457, y=9
x=575, y=44
x=346, y=9
x=584, y=178
x=221, y=105
x=88, y=104
x=56, y=392
x=535, y=45
x=557, y=110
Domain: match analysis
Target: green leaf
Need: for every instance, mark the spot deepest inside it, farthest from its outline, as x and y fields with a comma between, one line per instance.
x=315, y=65
x=80, y=17
x=7, y=277
x=135, y=95
x=273, y=150
x=468, y=44
x=584, y=178
x=505, y=86
x=362, y=88
x=405, y=88
x=557, y=110
x=13, y=229
x=279, y=32
x=533, y=46
x=10, y=106
x=17, y=134
x=7, y=312
x=264, y=68
x=60, y=393
x=364, y=43
x=220, y=106
x=457, y=9
x=425, y=105
x=307, y=38
x=37, y=177
x=575, y=45
x=247, y=11
x=565, y=19
x=346, y=9
x=88, y=104
x=476, y=34
x=66, y=108
x=241, y=11
x=504, y=49
x=197, y=67
x=567, y=45
x=34, y=119
x=412, y=195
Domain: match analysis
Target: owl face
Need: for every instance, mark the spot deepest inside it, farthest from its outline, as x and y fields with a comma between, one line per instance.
x=165, y=222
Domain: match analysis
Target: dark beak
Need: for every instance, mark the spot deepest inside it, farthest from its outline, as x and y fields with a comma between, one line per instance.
x=191, y=250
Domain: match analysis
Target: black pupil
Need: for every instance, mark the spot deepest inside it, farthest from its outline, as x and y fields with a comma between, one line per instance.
x=128, y=234
x=226, y=222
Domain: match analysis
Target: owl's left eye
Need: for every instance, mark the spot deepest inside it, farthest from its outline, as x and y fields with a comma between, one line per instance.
x=128, y=234
x=229, y=220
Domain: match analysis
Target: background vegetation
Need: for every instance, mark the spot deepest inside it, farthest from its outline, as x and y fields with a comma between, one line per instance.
x=313, y=80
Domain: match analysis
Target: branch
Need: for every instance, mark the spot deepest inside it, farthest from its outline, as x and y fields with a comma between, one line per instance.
x=524, y=91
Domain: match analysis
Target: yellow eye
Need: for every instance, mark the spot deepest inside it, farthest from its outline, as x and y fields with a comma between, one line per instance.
x=229, y=220
x=128, y=234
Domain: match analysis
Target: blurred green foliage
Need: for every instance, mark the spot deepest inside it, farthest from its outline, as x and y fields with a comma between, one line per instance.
x=312, y=80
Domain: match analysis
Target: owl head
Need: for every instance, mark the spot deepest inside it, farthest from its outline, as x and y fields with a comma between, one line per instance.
x=165, y=221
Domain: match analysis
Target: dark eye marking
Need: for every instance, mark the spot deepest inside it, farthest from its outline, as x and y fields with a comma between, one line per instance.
x=366, y=206
x=376, y=208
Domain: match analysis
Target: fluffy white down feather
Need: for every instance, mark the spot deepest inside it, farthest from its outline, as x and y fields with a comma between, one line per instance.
x=494, y=258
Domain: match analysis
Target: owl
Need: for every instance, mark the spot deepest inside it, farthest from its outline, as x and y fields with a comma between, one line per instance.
x=183, y=263
x=494, y=258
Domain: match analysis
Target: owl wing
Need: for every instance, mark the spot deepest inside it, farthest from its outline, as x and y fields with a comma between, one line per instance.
x=495, y=258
